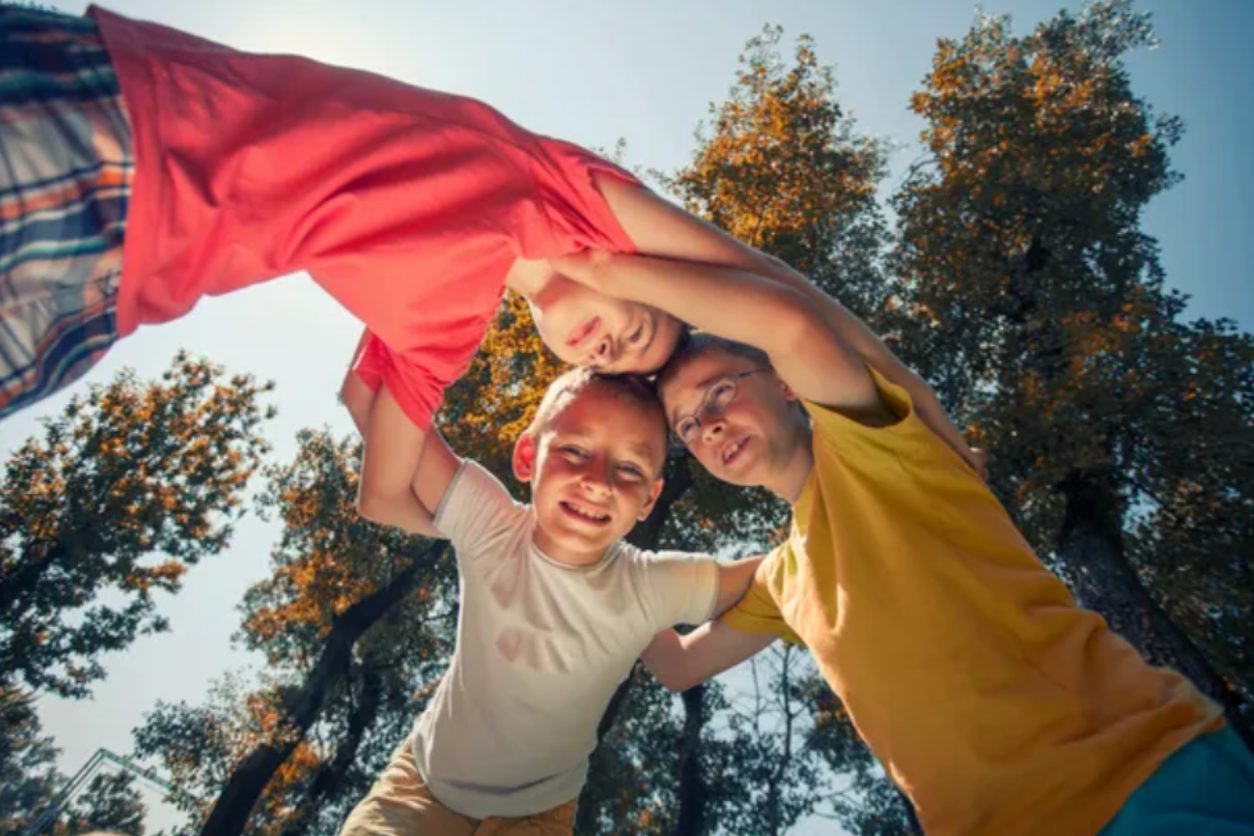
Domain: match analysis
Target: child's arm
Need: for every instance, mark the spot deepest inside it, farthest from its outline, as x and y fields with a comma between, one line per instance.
x=680, y=662
x=662, y=229
x=398, y=459
x=813, y=358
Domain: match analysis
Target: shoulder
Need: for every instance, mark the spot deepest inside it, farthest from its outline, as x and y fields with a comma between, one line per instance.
x=901, y=425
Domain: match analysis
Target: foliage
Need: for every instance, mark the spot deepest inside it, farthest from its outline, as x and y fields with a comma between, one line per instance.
x=125, y=473
x=1048, y=328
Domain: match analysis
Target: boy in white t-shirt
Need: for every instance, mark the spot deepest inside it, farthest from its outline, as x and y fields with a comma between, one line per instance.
x=555, y=609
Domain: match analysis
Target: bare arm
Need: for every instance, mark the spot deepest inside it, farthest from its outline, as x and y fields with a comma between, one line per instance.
x=394, y=453
x=811, y=357
x=662, y=229
x=680, y=662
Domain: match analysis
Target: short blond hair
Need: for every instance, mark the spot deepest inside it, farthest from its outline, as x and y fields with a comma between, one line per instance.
x=634, y=389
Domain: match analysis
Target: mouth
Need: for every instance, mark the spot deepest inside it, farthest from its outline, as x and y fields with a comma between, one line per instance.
x=584, y=513
x=732, y=450
x=583, y=332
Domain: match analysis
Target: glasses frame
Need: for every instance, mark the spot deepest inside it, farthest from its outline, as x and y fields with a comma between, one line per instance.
x=706, y=408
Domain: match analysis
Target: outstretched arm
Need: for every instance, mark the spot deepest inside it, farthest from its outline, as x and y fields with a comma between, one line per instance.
x=810, y=356
x=398, y=459
x=662, y=229
x=680, y=662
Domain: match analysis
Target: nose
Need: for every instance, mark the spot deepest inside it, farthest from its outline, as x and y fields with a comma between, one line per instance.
x=596, y=479
x=604, y=353
x=712, y=428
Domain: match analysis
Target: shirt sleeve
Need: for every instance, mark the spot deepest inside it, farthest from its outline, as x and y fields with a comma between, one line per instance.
x=848, y=434
x=681, y=588
x=418, y=390
x=577, y=214
x=477, y=514
x=758, y=611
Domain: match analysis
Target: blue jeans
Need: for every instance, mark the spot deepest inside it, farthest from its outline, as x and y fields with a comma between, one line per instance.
x=1204, y=789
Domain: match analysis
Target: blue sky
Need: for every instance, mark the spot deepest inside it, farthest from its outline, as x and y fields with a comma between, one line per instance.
x=594, y=73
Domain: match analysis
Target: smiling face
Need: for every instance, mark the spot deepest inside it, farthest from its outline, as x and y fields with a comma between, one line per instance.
x=586, y=328
x=756, y=437
x=594, y=464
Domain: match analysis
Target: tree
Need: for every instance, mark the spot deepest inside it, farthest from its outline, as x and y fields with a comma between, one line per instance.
x=1049, y=330
x=28, y=776
x=351, y=617
x=128, y=471
x=110, y=802
x=30, y=782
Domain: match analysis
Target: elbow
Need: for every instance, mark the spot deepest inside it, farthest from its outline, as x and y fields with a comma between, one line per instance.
x=675, y=679
x=372, y=506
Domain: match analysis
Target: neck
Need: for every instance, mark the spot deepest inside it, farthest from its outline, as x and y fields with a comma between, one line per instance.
x=561, y=554
x=789, y=481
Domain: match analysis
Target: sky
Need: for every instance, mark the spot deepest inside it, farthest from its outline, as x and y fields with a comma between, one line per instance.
x=592, y=73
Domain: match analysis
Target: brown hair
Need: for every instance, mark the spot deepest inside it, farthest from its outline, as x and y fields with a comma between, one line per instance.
x=695, y=344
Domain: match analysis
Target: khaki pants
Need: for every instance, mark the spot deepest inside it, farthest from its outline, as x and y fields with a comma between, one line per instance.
x=399, y=804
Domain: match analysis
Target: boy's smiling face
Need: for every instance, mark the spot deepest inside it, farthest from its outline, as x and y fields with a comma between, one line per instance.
x=595, y=471
x=754, y=435
x=587, y=328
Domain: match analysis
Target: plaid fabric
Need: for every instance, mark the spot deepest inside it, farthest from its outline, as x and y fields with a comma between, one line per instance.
x=66, y=167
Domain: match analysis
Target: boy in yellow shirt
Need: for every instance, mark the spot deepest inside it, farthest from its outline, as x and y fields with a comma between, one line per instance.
x=996, y=703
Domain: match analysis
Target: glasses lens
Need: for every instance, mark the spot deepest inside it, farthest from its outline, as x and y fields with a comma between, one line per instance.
x=721, y=394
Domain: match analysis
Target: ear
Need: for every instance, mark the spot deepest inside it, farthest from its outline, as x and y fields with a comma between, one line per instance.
x=654, y=493
x=524, y=458
x=785, y=389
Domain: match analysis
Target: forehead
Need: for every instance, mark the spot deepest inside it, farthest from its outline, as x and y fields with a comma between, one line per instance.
x=684, y=389
x=609, y=418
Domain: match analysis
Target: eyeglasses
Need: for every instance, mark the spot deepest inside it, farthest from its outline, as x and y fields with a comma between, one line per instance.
x=718, y=397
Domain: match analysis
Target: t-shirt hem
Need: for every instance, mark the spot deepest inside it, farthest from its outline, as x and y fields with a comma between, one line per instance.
x=473, y=811
x=711, y=609
x=749, y=624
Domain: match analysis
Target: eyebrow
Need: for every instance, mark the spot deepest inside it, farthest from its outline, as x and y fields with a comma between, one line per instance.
x=641, y=450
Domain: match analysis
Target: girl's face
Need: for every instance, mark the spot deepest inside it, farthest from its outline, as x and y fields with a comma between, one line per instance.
x=586, y=328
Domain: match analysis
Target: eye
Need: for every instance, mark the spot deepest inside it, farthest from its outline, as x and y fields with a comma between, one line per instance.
x=635, y=336
x=721, y=394
x=572, y=452
x=686, y=429
x=633, y=472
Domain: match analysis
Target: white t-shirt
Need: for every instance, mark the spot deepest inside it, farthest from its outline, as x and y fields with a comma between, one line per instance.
x=541, y=647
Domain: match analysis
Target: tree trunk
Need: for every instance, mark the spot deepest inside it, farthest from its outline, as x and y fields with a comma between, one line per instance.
x=330, y=776
x=235, y=803
x=692, y=791
x=647, y=534
x=1091, y=546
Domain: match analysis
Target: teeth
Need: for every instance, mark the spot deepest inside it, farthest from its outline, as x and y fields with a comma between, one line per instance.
x=732, y=450
x=583, y=512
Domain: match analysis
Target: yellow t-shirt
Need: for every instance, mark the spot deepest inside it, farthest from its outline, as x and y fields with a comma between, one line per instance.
x=996, y=703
